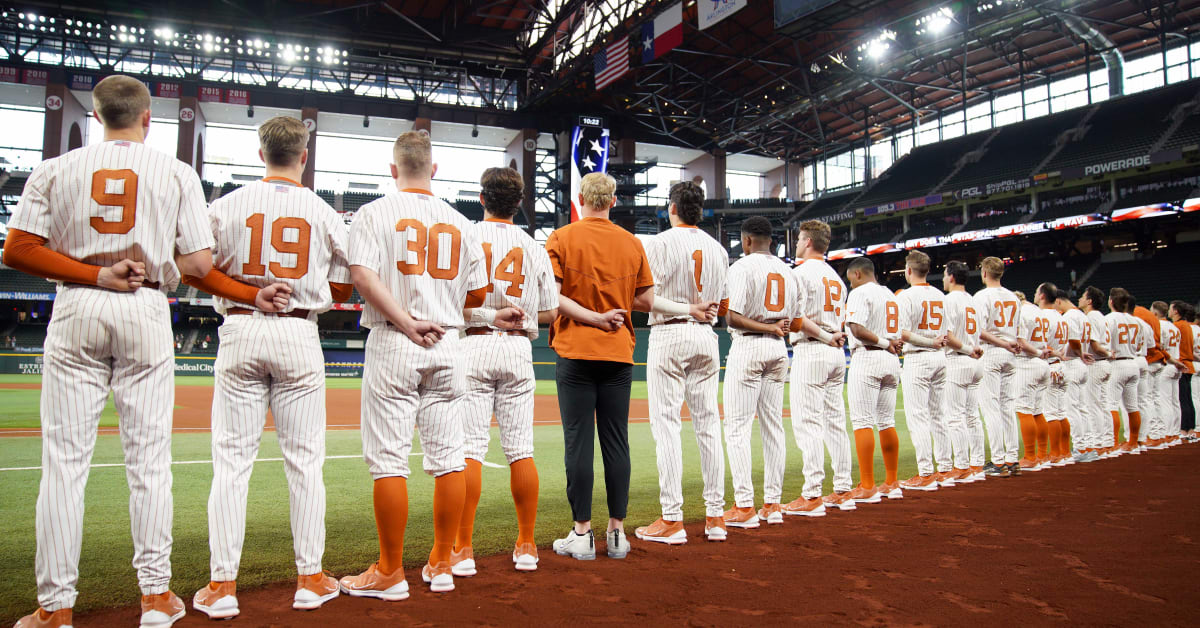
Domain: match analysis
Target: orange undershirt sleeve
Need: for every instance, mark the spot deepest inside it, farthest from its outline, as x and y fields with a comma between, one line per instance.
x=797, y=325
x=27, y=253
x=475, y=298
x=219, y=284
x=723, y=309
x=341, y=291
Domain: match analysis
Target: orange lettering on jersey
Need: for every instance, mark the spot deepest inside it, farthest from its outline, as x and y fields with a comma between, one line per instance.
x=969, y=316
x=893, y=317
x=931, y=316
x=773, y=300
x=509, y=269
x=126, y=199
x=833, y=292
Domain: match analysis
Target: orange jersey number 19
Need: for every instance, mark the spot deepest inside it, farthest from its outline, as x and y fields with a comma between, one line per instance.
x=279, y=241
x=124, y=186
x=418, y=237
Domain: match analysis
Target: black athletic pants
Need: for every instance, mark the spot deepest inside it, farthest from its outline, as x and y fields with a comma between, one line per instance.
x=593, y=398
x=1186, y=403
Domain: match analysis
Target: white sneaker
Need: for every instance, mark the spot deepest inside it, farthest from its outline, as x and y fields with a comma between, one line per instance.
x=162, y=610
x=439, y=577
x=218, y=603
x=714, y=529
x=618, y=545
x=577, y=546
x=525, y=557
x=462, y=563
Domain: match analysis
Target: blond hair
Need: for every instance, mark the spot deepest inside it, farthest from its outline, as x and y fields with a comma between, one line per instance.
x=992, y=267
x=413, y=153
x=283, y=139
x=120, y=101
x=598, y=190
x=918, y=262
x=819, y=234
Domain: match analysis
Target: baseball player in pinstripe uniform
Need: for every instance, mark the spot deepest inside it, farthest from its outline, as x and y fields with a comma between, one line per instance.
x=683, y=363
x=818, y=375
x=1054, y=434
x=115, y=223
x=873, y=322
x=1032, y=380
x=1075, y=370
x=1190, y=316
x=999, y=315
x=1150, y=363
x=922, y=327
x=1169, y=415
x=417, y=263
x=1123, y=332
x=272, y=231
x=761, y=308
x=1096, y=345
x=964, y=373
x=500, y=379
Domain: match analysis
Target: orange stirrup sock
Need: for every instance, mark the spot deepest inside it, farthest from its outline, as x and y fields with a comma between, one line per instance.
x=1043, y=434
x=1135, y=427
x=889, y=442
x=473, y=478
x=1028, y=434
x=449, y=493
x=1054, y=429
x=523, y=477
x=1064, y=438
x=864, y=444
x=391, y=517
x=1116, y=427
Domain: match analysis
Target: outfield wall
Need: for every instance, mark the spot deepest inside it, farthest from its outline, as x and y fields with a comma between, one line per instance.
x=348, y=363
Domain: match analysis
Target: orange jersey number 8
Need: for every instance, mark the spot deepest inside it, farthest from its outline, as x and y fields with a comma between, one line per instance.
x=418, y=236
x=126, y=199
x=893, y=317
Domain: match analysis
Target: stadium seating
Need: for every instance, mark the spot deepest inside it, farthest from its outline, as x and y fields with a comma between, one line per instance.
x=1125, y=127
x=1157, y=278
x=1016, y=150
x=1025, y=276
x=329, y=196
x=933, y=224
x=208, y=189
x=1188, y=133
x=919, y=172
x=1169, y=192
x=16, y=281
x=828, y=204
x=229, y=187
x=351, y=201
x=30, y=336
x=877, y=232
x=1073, y=202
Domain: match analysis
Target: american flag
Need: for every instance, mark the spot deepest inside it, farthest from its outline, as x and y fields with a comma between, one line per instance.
x=612, y=63
x=589, y=153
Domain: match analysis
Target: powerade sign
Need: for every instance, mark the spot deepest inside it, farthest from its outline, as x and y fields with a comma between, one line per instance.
x=1117, y=165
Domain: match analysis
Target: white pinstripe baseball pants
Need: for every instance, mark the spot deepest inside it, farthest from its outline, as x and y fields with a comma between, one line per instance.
x=405, y=387
x=1032, y=380
x=1123, y=384
x=100, y=340
x=755, y=371
x=1054, y=404
x=1147, y=397
x=1096, y=398
x=1076, y=408
x=873, y=380
x=999, y=385
x=267, y=361
x=1169, y=414
x=500, y=383
x=964, y=375
x=819, y=414
x=683, y=363
x=924, y=381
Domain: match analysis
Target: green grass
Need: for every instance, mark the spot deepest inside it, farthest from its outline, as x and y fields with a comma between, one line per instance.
x=106, y=579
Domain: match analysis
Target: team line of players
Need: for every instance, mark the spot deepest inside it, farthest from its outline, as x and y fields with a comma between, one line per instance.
x=280, y=256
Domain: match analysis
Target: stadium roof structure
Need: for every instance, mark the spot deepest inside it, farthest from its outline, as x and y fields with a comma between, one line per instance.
x=820, y=84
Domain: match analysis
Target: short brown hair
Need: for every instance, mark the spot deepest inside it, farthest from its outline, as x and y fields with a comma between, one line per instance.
x=1048, y=290
x=818, y=233
x=689, y=202
x=283, y=139
x=502, y=190
x=598, y=190
x=1119, y=299
x=120, y=101
x=1159, y=308
x=992, y=266
x=413, y=153
x=918, y=262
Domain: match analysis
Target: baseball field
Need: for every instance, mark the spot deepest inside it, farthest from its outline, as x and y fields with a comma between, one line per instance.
x=1076, y=532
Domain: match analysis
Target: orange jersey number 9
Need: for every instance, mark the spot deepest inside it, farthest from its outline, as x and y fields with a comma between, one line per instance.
x=126, y=199
x=418, y=237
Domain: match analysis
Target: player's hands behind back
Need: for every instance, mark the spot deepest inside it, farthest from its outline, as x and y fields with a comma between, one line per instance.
x=124, y=276
x=705, y=311
x=273, y=298
x=509, y=318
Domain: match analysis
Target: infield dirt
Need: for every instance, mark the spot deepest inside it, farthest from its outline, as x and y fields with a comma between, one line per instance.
x=1113, y=542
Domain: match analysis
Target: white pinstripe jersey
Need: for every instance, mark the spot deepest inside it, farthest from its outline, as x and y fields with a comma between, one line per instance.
x=1097, y=330
x=1057, y=329
x=1077, y=326
x=1145, y=336
x=822, y=294
x=270, y=231
x=1196, y=342
x=425, y=252
x=875, y=307
x=519, y=269
x=763, y=290
x=117, y=200
x=688, y=266
x=1036, y=325
x=962, y=320
x=1123, y=332
x=999, y=312
x=1170, y=337
x=922, y=312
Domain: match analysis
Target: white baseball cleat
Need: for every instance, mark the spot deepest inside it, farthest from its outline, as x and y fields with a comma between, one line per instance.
x=161, y=610
x=525, y=557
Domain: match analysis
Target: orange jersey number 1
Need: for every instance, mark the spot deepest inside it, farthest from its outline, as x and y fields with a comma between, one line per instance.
x=126, y=199
x=698, y=267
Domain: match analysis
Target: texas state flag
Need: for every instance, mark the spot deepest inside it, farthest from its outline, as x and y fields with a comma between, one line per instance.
x=663, y=34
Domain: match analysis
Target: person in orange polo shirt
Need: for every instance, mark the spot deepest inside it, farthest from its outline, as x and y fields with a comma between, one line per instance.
x=602, y=274
x=1148, y=383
